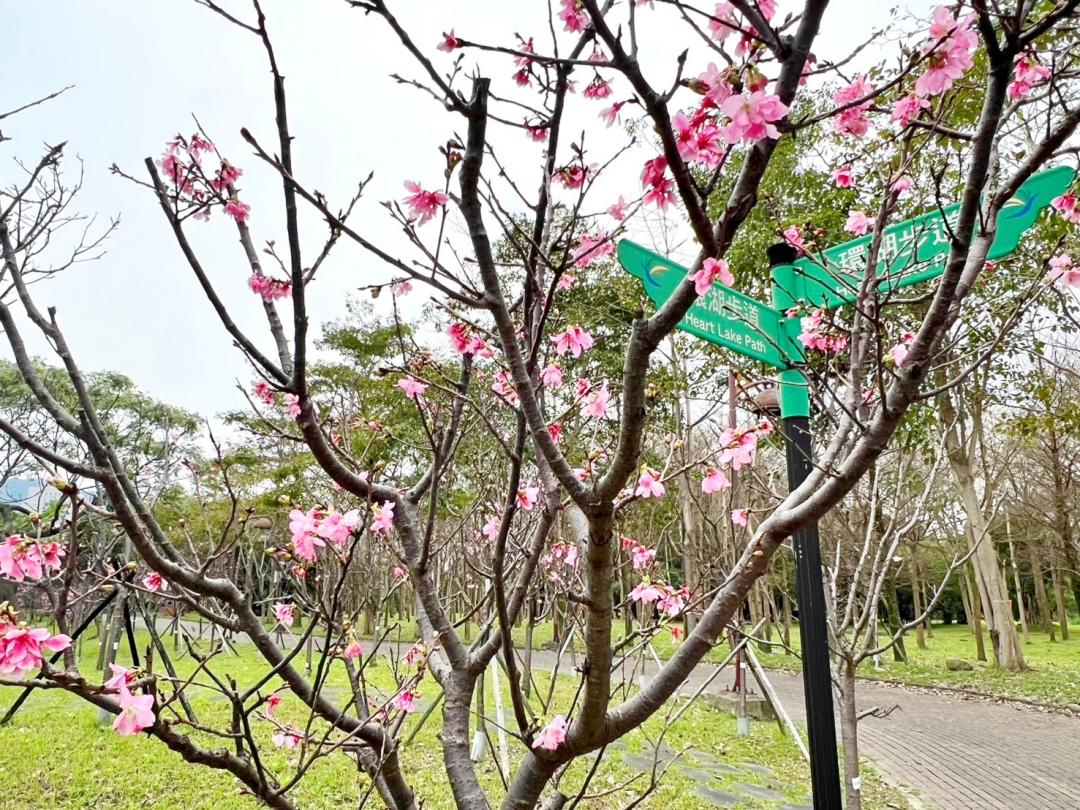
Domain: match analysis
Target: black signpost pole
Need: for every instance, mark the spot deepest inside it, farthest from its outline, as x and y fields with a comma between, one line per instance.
x=809, y=589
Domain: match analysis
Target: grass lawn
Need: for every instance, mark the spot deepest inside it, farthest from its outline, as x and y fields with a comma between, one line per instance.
x=55, y=754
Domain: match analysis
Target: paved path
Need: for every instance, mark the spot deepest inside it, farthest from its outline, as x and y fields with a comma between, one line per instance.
x=955, y=754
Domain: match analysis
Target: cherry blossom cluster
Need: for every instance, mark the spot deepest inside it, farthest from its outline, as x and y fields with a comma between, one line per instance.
x=819, y=334
x=193, y=186
x=1068, y=206
x=311, y=529
x=22, y=558
x=561, y=563
x=136, y=710
x=1064, y=271
x=670, y=601
x=23, y=648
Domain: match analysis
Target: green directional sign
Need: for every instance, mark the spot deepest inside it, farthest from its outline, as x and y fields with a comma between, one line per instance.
x=916, y=250
x=722, y=316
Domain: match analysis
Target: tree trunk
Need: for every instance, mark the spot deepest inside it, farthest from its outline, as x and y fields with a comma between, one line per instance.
x=1059, y=600
x=892, y=607
x=849, y=734
x=993, y=591
x=1016, y=583
x=916, y=598
x=971, y=607
x=1040, y=592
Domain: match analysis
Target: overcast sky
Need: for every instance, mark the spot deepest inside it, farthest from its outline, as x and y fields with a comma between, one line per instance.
x=141, y=68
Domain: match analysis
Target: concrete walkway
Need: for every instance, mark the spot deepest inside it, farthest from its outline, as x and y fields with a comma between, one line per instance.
x=948, y=752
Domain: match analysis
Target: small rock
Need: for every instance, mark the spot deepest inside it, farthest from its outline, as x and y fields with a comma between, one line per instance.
x=958, y=665
x=758, y=792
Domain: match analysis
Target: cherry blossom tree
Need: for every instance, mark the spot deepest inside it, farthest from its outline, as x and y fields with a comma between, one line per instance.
x=573, y=447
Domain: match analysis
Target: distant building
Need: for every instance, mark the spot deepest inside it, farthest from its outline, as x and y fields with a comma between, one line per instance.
x=30, y=493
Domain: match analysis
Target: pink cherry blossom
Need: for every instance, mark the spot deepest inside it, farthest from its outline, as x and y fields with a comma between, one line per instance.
x=292, y=405
x=537, y=132
x=353, y=651
x=573, y=341
x=753, y=116
x=617, y=211
x=642, y=557
x=712, y=270
x=572, y=176
x=899, y=352
x=289, y=738
x=264, y=392
x=555, y=430
x=722, y=23
x=384, y=518
x=22, y=648
x=610, y=115
x=661, y=190
x=154, y=582
x=504, y=387
x=552, y=735
x=843, y=177
x=136, y=713
x=857, y=222
x=793, y=236
x=226, y=176
x=465, y=341
x=676, y=633
x=1029, y=74
x=491, y=528
x=646, y=593
x=595, y=404
x=237, y=210
x=1063, y=271
x=738, y=448
x=714, y=85
x=338, y=527
x=714, y=481
x=20, y=559
x=1067, y=206
x=565, y=282
x=901, y=184
x=592, y=247
x=121, y=676
x=413, y=388
x=950, y=49
x=853, y=120
x=401, y=288
x=449, y=42
x=552, y=375
x=424, y=205
x=405, y=701
x=598, y=88
x=270, y=289
x=739, y=516
x=908, y=108
x=399, y=573
x=673, y=602
x=272, y=703
x=649, y=485
x=816, y=334
x=283, y=612
x=527, y=497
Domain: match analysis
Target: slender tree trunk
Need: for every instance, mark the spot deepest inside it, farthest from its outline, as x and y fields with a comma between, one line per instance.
x=1059, y=600
x=974, y=612
x=892, y=606
x=849, y=735
x=1016, y=583
x=1041, y=601
x=916, y=598
x=993, y=592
